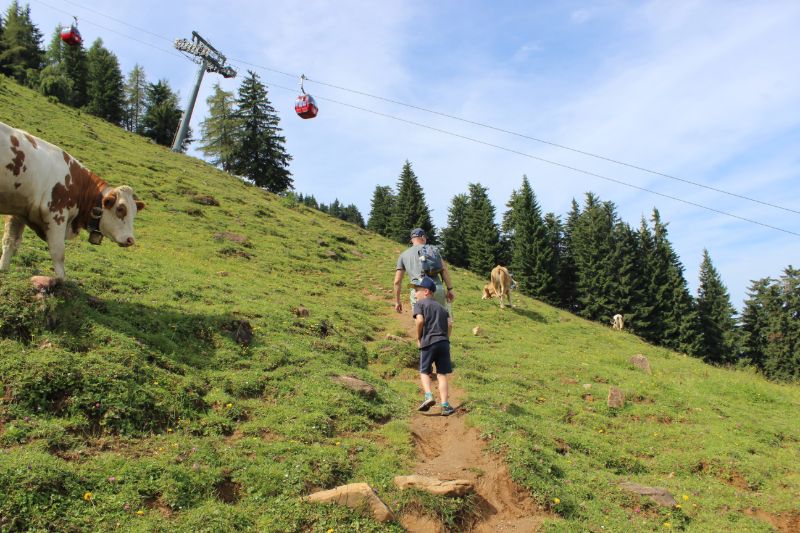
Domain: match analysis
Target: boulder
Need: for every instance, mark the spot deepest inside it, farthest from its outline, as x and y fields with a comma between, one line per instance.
x=455, y=487
x=477, y=331
x=641, y=362
x=616, y=398
x=659, y=495
x=358, y=385
x=355, y=496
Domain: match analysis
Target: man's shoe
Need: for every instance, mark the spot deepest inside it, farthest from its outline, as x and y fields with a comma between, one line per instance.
x=447, y=410
x=427, y=404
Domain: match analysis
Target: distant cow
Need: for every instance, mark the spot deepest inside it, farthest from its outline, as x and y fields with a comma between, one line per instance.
x=617, y=323
x=45, y=188
x=500, y=285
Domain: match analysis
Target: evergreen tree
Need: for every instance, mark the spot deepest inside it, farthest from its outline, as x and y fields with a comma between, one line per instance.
x=162, y=114
x=75, y=66
x=567, y=269
x=218, y=130
x=716, y=316
x=21, y=55
x=353, y=215
x=454, y=237
x=483, y=235
x=531, y=256
x=593, y=251
x=135, y=99
x=410, y=210
x=641, y=318
x=554, y=237
x=259, y=152
x=53, y=79
x=380, y=216
x=104, y=86
x=771, y=323
x=630, y=264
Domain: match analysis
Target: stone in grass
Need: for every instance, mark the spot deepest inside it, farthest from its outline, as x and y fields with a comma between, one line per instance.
x=616, y=398
x=358, y=385
x=477, y=331
x=455, y=487
x=355, y=496
x=641, y=362
x=659, y=495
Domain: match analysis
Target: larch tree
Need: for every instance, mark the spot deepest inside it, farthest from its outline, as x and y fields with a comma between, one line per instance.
x=259, y=153
x=218, y=130
x=135, y=99
x=382, y=207
x=410, y=211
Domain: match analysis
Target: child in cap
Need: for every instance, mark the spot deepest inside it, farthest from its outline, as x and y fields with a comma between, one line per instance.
x=433, y=326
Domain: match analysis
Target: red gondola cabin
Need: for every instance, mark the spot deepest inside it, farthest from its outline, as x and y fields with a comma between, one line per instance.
x=305, y=106
x=71, y=35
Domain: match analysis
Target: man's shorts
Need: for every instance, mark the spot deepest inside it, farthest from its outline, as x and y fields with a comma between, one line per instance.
x=437, y=353
x=440, y=296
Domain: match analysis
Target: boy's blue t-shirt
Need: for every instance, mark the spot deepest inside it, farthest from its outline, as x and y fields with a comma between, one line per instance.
x=435, y=316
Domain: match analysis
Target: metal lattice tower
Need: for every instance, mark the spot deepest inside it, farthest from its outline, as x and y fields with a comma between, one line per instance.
x=210, y=60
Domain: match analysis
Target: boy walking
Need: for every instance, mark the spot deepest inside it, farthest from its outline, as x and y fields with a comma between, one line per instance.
x=433, y=326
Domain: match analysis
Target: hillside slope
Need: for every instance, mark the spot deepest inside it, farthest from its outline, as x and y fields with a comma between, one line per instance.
x=128, y=403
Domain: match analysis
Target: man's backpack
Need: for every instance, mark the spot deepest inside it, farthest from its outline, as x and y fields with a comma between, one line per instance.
x=430, y=259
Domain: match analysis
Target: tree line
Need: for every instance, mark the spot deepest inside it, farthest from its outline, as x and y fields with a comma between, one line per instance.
x=595, y=265
x=241, y=135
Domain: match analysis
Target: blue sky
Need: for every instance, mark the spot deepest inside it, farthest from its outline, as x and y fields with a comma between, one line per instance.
x=707, y=91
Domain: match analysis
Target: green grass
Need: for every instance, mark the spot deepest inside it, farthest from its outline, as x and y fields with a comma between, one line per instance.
x=128, y=383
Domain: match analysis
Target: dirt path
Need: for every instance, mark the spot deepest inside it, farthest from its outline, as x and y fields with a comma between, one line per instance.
x=447, y=449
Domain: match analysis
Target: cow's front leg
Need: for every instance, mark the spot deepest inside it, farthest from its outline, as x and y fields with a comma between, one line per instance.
x=12, y=235
x=55, y=242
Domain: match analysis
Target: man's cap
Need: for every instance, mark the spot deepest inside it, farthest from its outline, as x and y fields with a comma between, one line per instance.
x=425, y=282
x=418, y=232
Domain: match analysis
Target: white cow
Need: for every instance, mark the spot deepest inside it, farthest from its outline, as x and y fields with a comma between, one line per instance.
x=618, y=322
x=45, y=188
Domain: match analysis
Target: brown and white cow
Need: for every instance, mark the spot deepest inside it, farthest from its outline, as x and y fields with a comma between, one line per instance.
x=500, y=285
x=44, y=187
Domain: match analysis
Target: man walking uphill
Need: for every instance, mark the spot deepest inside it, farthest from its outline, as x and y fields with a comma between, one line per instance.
x=433, y=329
x=423, y=259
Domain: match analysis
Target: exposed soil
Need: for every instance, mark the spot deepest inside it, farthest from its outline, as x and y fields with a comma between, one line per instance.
x=447, y=449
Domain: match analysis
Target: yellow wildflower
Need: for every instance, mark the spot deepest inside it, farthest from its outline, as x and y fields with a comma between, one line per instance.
x=678, y=506
x=229, y=405
x=667, y=525
x=556, y=501
x=87, y=496
x=140, y=512
x=685, y=497
x=330, y=530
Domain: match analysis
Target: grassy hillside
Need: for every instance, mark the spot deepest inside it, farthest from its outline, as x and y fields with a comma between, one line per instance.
x=128, y=404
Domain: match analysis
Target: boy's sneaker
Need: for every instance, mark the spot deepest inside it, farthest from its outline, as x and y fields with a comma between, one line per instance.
x=426, y=404
x=447, y=410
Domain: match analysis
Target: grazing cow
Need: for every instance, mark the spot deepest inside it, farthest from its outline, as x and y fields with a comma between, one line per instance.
x=45, y=188
x=618, y=322
x=500, y=285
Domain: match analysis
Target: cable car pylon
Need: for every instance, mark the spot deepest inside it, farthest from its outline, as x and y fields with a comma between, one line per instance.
x=210, y=60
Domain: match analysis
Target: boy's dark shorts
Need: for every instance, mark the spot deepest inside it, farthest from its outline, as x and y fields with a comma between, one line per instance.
x=439, y=353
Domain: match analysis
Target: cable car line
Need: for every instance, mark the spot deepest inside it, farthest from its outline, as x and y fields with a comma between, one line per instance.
x=446, y=132
x=549, y=161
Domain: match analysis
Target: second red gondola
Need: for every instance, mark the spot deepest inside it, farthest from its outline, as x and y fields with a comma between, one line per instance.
x=305, y=106
x=71, y=35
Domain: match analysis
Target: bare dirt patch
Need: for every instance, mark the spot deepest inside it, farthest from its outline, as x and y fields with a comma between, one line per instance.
x=788, y=522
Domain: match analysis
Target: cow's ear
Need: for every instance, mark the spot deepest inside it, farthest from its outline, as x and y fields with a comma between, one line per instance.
x=109, y=200
x=139, y=205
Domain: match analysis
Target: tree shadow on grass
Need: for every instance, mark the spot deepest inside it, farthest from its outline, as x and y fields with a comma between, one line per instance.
x=530, y=314
x=177, y=335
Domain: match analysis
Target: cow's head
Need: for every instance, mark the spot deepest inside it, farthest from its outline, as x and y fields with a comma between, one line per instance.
x=120, y=206
x=488, y=292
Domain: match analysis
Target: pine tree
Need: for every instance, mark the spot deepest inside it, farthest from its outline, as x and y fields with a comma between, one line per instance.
x=135, y=99
x=454, y=237
x=162, y=114
x=716, y=315
x=554, y=237
x=483, y=235
x=218, y=130
x=531, y=256
x=630, y=265
x=353, y=215
x=380, y=216
x=21, y=55
x=259, y=152
x=74, y=65
x=104, y=86
x=410, y=210
x=53, y=79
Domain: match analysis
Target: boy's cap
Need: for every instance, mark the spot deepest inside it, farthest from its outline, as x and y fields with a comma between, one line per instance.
x=418, y=232
x=425, y=282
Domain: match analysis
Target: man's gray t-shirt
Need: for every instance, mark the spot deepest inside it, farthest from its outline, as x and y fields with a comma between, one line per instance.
x=409, y=261
x=434, y=328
